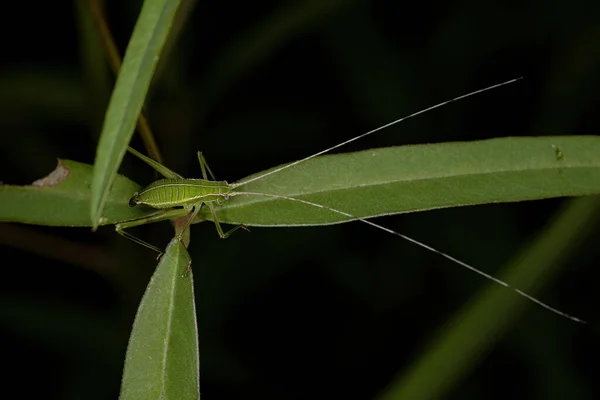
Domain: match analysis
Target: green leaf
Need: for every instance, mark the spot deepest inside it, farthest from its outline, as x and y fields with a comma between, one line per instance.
x=162, y=359
x=405, y=179
x=365, y=184
x=63, y=199
x=128, y=96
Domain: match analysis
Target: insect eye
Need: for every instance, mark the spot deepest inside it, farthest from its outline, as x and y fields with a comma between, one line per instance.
x=133, y=201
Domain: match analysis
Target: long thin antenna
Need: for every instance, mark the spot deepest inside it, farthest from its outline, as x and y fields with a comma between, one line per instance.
x=236, y=185
x=423, y=245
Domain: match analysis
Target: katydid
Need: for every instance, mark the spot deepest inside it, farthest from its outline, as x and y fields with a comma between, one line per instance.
x=176, y=191
x=188, y=195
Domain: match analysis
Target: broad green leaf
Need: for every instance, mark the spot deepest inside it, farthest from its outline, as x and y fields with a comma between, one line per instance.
x=416, y=178
x=63, y=199
x=472, y=333
x=162, y=359
x=128, y=96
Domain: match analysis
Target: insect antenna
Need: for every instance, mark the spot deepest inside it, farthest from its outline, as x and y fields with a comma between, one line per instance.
x=423, y=111
x=422, y=245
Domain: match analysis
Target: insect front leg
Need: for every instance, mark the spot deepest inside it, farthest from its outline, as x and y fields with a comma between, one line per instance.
x=156, y=217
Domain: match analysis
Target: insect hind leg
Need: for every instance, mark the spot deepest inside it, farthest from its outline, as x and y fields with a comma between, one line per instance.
x=223, y=235
x=194, y=213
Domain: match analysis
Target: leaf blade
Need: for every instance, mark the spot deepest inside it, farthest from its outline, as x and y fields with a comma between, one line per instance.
x=162, y=359
x=139, y=63
x=64, y=200
x=363, y=186
x=403, y=179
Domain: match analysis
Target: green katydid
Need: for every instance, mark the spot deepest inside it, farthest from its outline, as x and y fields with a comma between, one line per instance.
x=176, y=191
x=189, y=195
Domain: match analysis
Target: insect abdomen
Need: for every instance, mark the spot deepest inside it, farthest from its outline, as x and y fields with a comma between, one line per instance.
x=167, y=193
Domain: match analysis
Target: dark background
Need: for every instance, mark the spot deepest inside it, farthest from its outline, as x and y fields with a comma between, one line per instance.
x=292, y=313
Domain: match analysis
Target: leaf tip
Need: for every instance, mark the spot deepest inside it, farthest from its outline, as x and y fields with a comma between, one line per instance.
x=95, y=218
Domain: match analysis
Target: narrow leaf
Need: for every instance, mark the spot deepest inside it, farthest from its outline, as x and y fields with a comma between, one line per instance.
x=416, y=178
x=128, y=96
x=162, y=359
x=365, y=184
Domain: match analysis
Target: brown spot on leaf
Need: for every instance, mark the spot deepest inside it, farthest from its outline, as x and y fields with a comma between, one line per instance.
x=558, y=153
x=55, y=177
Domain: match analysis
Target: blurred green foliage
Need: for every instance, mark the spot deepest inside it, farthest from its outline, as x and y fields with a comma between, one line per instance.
x=301, y=312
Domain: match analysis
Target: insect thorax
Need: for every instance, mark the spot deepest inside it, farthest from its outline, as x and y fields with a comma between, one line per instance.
x=167, y=193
